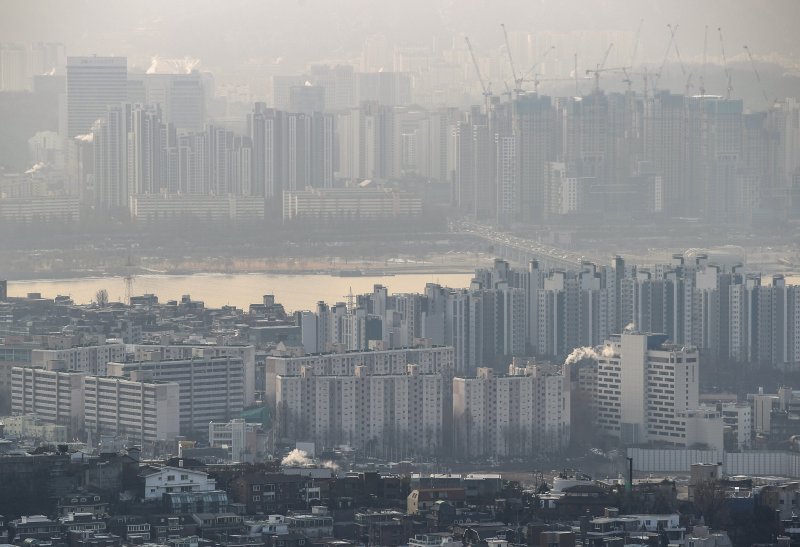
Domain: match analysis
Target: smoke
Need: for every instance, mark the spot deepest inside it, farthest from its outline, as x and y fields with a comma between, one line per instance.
x=608, y=351
x=159, y=65
x=330, y=465
x=297, y=458
x=630, y=327
x=89, y=137
x=36, y=167
x=578, y=354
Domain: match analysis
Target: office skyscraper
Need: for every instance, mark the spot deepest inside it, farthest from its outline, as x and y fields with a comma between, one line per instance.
x=93, y=84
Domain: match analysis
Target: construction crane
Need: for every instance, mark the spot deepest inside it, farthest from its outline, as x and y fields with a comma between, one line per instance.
x=688, y=86
x=486, y=88
x=536, y=80
x=758, y=76
x=629, y=81
x=525, y=77
x=673, y=31
x=517, y=80
x=729, y=88
x=600, y=68
x=636, y=42
x=705, y=62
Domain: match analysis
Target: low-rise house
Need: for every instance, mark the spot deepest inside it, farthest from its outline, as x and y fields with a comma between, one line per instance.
x=272, y=492
x=421, y=500
x=34, y=527
x=211, y=501
x=82, y=523
x=82, y=502
x=157, y=481
x=133, y=529
x=212, y=525
x=318, y=524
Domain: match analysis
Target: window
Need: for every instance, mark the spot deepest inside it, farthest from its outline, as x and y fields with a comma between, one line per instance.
x=184, y=477
x=256, y=488
x=256, y=498
x=170, y=477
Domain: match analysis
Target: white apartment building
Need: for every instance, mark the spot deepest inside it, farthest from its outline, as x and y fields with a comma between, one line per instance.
x=431, y=360
x=738, y=417
x=397, y=413
x=88, y=359
x=247, y=353
x=237, y=436
x=144, y=411
x=211, y=388
x=54, y=397
x=341, y=204
x=525, y=412
x=146, y=208
x=646, y=389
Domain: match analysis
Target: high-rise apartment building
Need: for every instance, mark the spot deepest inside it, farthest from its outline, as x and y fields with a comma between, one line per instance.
x=211, y=388
x=431, y=360
x=398, y=413
x=144, y=412
x=93, y=85
x=515, y=415
x=110, y=143
x=89, y=359
x=55, y=397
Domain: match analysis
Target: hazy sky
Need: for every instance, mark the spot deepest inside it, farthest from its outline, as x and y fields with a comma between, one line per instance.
x=239, y=32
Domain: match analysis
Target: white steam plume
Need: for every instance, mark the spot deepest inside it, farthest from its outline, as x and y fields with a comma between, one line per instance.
x=36, y=167
x=297, y=458
x=579, y=354
x=630, y=327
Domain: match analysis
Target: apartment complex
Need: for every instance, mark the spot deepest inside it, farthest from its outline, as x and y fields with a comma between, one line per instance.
x=515, y=415
x=211, y=388
x=144, y=412
x=55, y=397
x=430, y=360
x=394, y=412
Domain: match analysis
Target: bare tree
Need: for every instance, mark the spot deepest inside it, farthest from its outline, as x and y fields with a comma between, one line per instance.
x=710, y=502
x=101, y=297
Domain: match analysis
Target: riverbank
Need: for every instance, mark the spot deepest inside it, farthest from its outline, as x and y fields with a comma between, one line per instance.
x=295, y=291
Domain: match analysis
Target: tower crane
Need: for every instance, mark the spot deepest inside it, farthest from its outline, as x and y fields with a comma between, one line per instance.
x=673, y=31
x=601, y=68
x=517, y=79
x=536, y=80
x=636, y=42
x=758, y=76
x=485, y=87
x=729, y=89
x=705, y=61
x=644, y=74
x=525, y=77
x=689, y=84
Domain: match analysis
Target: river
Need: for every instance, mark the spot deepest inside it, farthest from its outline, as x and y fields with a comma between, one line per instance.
x=295, y=292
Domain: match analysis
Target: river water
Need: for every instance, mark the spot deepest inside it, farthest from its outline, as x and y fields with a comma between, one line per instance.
x=295, y=292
